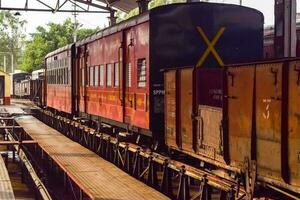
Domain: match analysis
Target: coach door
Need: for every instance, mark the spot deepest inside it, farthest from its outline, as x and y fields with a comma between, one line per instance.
x=82, y=58
x=129, y=65
x=136, y=71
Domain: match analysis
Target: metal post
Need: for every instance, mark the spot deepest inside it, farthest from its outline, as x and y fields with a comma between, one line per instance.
x=285, y=28
x=112, y=18
x=183, y=188
x=143, y=5
x=166, y=183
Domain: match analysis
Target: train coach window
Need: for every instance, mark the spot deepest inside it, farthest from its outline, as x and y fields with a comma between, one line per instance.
x=67, y=75
x=63, y=79
x=53, y=76
x=96, y=75
x=116, y=74
x=63, y=72
x=101, y=75
x=141, y=72
x=59, y=76
x=91, y=75
x=56, y=76
x=82, y=76
x=64, y=76
x=108, y=75
x=128, y=80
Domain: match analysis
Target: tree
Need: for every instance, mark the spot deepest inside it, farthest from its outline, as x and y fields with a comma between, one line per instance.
x=48, y=39
x=11, y=39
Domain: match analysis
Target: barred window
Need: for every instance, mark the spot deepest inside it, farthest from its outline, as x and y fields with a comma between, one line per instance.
x=141, y=72
x=59, y=76
x=52, y=76
x=82, y=77
x=128, y=80
x=56, y=76
x=116, y=74
x=91, y=76
x=63, y=75
x=96, y=75
x=67, y=75
x=101, y=75
x=108, y=75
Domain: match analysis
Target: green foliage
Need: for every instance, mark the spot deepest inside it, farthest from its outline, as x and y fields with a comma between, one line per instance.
x=11, y=39
x=154, y=3
x=48, y=39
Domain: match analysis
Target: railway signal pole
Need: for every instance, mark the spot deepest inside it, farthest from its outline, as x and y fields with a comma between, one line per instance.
x=285, y=28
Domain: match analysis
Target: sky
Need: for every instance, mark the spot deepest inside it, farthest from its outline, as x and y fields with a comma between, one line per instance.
x=35, y=19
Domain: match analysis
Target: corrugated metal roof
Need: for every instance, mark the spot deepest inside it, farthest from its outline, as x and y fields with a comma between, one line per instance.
x=124, y=5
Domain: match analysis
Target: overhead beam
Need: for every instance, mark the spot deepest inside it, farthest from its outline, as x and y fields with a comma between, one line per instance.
x=89, y=2
x=46, y=7
x=50, y=10
x=42, y=4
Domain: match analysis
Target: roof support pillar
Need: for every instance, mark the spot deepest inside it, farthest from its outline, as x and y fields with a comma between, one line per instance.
x=285, y=28
x=143, y=5
x=112, y=18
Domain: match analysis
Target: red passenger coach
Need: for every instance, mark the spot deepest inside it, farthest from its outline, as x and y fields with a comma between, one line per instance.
x=105, y=86
x=58, y=77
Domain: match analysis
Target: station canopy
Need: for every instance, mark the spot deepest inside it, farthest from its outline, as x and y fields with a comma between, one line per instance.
x=124, y=5
x=92, y=6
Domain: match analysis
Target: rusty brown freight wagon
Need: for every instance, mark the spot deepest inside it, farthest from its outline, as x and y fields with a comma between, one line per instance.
x=243, y=118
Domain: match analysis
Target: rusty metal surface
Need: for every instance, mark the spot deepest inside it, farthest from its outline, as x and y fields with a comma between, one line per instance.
x=98, y=178
x=268, y=119
x=170, y=108
x=210, y=133
x=6, y=191
x=185, y=110
x=240, y=83
x=293, y=123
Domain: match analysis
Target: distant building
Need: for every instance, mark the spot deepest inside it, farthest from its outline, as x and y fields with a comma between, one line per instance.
x=5, y=87
x=37, y=74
